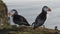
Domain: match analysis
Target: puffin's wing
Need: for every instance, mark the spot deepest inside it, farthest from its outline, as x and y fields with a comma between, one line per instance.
x=38, y=23
x=25, y=21
x=22, y=19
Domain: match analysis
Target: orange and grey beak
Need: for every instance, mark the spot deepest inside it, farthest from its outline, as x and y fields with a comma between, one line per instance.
x=49, y=9
x=9, y=14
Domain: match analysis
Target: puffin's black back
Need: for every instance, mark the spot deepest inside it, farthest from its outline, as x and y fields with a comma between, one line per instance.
x=20, y=20
x=42, y=16
x=40, y=19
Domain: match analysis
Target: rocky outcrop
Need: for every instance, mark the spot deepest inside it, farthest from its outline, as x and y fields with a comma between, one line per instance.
x=3, y=13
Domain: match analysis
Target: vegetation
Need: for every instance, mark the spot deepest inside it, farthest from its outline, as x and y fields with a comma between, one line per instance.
x=29, y=30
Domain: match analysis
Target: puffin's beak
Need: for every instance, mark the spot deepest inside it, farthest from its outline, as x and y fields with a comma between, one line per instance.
x=49, y=9
x=9, y=14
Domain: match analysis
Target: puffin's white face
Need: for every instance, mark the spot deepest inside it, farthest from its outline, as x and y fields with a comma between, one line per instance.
x=12, y=12
x=47, y=9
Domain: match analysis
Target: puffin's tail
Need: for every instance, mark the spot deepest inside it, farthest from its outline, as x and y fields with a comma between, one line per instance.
x=33, y=25
x=27, y=24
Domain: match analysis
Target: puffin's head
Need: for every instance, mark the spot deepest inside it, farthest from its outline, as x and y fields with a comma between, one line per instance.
x=13, y=12
x=45, y=8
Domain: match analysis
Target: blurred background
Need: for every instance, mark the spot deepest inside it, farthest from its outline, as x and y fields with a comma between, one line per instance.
x=30, y=9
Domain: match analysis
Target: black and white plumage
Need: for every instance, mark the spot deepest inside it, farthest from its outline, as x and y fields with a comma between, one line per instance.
x=41, y=18
x=18, y=19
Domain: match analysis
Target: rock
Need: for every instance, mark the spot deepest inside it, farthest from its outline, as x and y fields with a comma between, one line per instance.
x=3, y=13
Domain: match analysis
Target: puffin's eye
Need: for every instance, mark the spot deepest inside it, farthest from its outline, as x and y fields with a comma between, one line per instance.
x=45, y=9
x=12, y=12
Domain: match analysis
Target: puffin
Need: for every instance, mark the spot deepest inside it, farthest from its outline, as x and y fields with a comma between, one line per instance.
x=41, y=18
x=18, y=19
